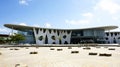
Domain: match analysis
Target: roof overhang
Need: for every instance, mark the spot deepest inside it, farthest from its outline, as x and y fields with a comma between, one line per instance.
x=24, y=28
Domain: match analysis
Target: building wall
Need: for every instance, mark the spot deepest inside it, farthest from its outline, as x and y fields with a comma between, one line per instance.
x=112, y=37
x=49, y=36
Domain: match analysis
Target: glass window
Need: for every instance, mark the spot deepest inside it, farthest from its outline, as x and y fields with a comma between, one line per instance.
x=115, y=34
x=53, y=37
x=107, y=34
x=106, y=38
x=40, y=38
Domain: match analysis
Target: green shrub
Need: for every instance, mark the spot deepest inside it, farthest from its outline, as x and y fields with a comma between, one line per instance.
x=69, y=47
x=74, y=52
x=111, y=49
x=16, y=49
x=34, y=52
x=91, y=53
x=59, y=49
x=105, y=54
x=52, y=49
x=87, y=48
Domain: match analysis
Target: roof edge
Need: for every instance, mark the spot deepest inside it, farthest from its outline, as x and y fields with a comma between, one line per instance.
x=18, y=27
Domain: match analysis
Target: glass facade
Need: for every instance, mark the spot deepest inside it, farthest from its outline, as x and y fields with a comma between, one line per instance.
x=29, y=37
x=87, y=36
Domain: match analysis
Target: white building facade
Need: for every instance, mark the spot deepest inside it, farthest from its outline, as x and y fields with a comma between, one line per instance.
x=47, y=36
x=39, y=36
x=112, y=37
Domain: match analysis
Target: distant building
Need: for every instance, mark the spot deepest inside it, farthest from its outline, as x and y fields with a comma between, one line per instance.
x=3, y=38
x=112, y=37
x=38, y=35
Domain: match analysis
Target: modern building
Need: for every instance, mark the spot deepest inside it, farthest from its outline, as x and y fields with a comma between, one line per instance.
x=38, y=35
x=3, y=38
x=112, y=37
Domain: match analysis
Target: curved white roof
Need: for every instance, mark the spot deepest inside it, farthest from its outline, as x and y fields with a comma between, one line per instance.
x=22, y=27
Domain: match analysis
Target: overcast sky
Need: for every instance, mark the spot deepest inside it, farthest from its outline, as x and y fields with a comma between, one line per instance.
x=59, y=13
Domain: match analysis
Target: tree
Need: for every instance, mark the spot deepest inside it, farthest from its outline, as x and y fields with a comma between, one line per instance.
x=16, y=38
x=2, y=40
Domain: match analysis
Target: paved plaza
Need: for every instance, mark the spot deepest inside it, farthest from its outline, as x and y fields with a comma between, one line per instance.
x=59, y=57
